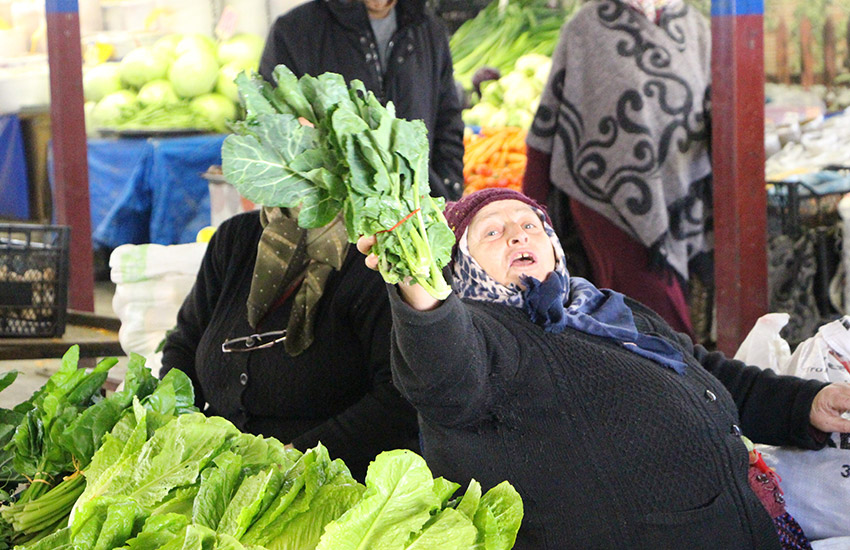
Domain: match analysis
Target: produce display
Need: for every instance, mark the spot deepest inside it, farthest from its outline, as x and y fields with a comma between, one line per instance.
x=349, y=154
x=146, y=471
x=179, y=82
x=49, y=439
x=494, y=157
x=512, y=99
x=499, y=35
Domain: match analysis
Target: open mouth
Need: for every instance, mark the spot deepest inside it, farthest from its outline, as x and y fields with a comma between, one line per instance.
x=523, y=259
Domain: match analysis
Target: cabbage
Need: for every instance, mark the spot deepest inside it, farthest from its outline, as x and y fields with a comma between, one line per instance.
x=244, y=49
x=528, y=63
x=167, y=45
x=216, y=108
x=520, y=118
x=479, y=114
x=88, y=109
x=193, y=73
x=142, y=65
x=492, y=91
x=113, y=108
x=157, y=92
x=101, y=80
x=225, y=84
x=194, y=41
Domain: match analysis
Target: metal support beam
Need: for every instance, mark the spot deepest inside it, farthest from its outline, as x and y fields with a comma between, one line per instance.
x=70, y=161
x=740, y=201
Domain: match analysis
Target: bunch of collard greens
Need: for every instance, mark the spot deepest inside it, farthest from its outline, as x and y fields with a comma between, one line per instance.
x=197, y=483
x=50, y=438
x=356, y=157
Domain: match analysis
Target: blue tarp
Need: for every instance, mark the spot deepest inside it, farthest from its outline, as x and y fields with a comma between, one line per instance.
x=14, y=185
x=150, y=190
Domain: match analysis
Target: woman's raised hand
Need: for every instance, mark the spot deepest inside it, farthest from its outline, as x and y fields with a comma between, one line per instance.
x=413, y=294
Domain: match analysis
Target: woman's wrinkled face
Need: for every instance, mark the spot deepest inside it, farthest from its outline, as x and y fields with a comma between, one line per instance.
x=507, y=239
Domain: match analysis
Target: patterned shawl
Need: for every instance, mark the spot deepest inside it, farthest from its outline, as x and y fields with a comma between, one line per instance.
x=624, y=117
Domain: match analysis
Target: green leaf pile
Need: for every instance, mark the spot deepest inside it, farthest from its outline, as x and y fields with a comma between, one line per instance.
x=48, y=439
x=198, y=483
x=141, y=469
x=354, y=157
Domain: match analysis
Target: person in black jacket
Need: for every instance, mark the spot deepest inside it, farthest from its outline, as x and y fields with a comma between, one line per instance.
x=319, y=371
x=616, y=431
x=398, y=50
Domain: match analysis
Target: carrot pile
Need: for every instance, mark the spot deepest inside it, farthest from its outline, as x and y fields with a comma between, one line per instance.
x=495, y=157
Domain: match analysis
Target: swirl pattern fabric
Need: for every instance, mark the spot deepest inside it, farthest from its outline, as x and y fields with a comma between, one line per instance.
x=629, y=138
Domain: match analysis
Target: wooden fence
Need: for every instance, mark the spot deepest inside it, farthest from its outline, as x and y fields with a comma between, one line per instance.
x=823, y=58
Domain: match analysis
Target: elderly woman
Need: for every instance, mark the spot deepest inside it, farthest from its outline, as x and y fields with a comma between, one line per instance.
x=616, y=431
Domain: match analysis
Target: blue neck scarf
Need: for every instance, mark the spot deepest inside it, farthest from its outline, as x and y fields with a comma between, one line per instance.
x=562, y=301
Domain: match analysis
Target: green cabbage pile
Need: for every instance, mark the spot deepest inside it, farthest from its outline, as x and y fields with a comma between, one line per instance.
x=179, y=82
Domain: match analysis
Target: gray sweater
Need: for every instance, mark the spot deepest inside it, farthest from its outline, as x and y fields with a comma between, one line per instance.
x=607, y=449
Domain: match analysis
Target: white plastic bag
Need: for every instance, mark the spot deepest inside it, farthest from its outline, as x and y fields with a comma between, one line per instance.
x=816, y=486
x=825, y=356
x=151, y=282
x=764, y=347
x=816, y=483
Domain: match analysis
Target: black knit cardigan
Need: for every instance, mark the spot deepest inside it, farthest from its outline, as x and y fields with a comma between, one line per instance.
x=338, y=392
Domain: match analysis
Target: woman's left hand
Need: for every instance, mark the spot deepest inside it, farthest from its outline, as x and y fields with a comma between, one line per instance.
x=828, y=406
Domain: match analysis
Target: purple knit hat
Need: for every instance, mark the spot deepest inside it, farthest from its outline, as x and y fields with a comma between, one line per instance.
x=461, y=212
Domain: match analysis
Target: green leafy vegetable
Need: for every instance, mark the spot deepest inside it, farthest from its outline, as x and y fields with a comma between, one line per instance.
x=166, y=477
x=354, y=157
x=397, y=503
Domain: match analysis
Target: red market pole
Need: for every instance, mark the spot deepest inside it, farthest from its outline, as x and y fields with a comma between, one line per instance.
x=740, y=199
x=70, y=161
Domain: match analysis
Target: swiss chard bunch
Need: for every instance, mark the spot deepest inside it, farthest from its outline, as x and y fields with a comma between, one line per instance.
x=354, y=156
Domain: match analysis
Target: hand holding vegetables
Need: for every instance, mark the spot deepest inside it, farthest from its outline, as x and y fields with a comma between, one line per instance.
x=415, y=296
x=355, y=156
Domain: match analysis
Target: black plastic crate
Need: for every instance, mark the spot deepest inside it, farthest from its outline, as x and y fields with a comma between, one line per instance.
x=34, y=263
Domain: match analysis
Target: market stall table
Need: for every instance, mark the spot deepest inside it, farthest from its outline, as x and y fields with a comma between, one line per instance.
x=96, y=335
x=150, y=189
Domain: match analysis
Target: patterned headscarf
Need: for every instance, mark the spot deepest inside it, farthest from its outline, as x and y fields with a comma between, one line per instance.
x=287, y=256
x=561, y=301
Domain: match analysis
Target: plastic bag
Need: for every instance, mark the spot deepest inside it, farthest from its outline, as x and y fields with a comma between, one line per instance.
x=764, y=347
x=151, y=282
x=825, y=356
x=816, y=483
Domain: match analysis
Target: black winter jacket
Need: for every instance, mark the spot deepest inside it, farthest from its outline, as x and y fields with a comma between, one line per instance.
x=336, y=36
x=337, y=392
x=607, y=449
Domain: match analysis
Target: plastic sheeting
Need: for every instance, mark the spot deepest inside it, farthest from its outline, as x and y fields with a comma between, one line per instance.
x=14, y=185
x=150, y=190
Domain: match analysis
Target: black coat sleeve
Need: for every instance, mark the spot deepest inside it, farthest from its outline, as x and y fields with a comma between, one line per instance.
x=447, y=149
x=449, y=362
x=773, y=409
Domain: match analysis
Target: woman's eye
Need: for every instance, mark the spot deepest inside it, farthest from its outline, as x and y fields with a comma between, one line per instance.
x=529, y=225
x=491, y=233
